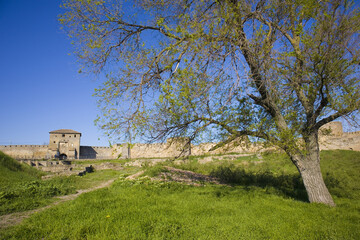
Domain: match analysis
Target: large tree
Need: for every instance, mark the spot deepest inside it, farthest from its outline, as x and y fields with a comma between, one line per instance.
x=275, y=70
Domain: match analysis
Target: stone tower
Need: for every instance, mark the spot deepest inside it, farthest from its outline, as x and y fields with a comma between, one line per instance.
x=64, y=144
x=334, y=129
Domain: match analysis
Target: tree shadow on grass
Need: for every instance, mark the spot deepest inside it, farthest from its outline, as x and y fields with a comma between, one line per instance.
x=287, y=185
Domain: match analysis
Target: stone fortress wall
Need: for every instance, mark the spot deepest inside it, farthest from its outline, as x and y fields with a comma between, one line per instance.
x=26, y=151
x=171, y=148
x=331, y=137
x=89, y=152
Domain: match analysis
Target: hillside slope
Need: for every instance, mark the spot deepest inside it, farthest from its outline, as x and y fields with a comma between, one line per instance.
x=13, y=172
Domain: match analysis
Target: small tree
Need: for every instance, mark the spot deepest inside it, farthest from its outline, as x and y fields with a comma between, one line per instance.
x=276, y=70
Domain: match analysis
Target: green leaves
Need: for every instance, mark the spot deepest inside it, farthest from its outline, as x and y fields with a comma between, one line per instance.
x=171, y=65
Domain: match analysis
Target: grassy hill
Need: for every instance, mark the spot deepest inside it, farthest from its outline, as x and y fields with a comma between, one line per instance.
x=263, y=198
x=21, y=187
x=12, y=172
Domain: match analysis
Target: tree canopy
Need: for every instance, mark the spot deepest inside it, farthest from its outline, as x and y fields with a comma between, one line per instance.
x=276, y=70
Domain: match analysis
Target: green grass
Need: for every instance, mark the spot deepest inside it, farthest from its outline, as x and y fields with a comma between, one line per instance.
x=21, y=187
x=274, y=171
x=258, y=204
x=154, y=210
x=341, y=171
x=99, y=161
x=12, y=172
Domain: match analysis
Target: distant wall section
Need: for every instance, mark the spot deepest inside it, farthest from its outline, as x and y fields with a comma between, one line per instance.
x=331, y=137
x=26, y=151
x=89, y=152
x=172, y=148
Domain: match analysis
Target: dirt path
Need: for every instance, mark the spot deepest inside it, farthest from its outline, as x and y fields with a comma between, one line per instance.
x=175, y=174
x=16, y=218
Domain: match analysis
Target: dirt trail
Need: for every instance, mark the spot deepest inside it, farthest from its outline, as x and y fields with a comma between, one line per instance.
x=16, y=218
x=174, y=174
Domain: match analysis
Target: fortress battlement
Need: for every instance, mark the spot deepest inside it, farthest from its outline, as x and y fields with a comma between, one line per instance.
x=65, y=144
x=357, y=133
x=100, y=147
x=23, y=146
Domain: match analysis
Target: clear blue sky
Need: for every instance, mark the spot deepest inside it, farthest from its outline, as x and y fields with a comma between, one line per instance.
x=40, y=87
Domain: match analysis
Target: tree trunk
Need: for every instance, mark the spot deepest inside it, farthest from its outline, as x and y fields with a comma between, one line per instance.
x=309, y=168
x=314, y=183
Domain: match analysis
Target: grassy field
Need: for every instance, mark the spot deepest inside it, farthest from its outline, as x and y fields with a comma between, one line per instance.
x=21, y=187
x=263, y=199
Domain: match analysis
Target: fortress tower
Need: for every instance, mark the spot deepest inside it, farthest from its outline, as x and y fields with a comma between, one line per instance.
x=334, y=129
x=64, y=144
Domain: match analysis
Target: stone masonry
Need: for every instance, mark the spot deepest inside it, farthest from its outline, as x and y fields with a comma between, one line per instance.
x=65, y=144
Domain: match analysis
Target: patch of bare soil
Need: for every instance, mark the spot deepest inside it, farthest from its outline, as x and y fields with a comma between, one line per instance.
x=108, y=165
x=179, y=175
x=134, y=176
x=141, y=162
x=16, y=218
x=187, y=177
x=223, y=157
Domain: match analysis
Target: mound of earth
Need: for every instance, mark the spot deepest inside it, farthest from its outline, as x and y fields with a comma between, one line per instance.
x=108, y=165
x=187, y=177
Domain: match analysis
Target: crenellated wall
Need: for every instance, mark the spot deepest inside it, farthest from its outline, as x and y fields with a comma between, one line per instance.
x=331, y=137
x=26, y=151
x=159, y=150
x=350, y=134
x=89, y=152
x=348, y=141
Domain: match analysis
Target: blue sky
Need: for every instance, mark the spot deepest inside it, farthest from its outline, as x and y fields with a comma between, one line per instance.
x=40, y=87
